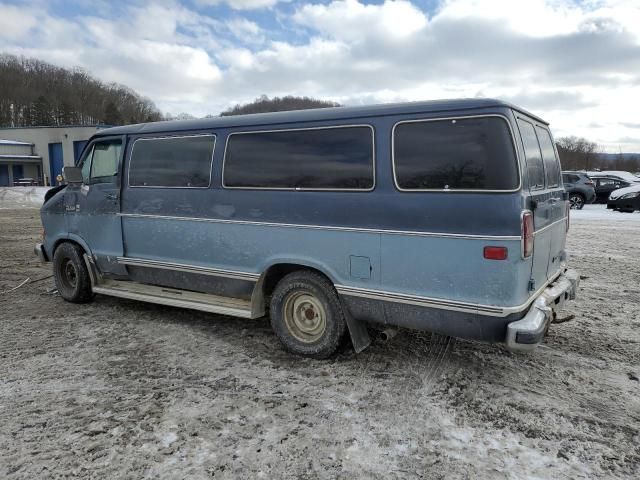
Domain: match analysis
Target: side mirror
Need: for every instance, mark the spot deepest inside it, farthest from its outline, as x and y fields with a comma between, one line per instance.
x=72, y=174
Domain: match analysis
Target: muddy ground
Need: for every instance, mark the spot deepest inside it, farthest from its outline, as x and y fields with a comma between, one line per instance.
x=118, y=389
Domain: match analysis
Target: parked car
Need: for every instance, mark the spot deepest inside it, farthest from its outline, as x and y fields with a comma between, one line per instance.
x=604, y=185
x=580, y=188
x=447, y=216
x=627, y=177
x=625, y=199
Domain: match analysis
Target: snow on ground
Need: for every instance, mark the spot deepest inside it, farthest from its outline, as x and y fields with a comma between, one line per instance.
x=22, y=197
x=595, y=212
x=124, y=389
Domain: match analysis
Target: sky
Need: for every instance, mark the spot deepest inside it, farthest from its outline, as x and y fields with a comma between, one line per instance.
x=574, y=63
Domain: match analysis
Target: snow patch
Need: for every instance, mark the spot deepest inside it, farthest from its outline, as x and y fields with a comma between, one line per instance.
x=22, y=197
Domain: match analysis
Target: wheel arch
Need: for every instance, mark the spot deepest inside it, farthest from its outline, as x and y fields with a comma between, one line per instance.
x=71, y=238
x=276, y=270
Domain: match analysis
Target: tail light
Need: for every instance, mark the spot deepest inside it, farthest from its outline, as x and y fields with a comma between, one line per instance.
x=495, y=253
x=527, y=234
x=591, y=184
x=568, y=208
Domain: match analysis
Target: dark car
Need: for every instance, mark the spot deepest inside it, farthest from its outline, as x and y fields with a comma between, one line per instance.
x=625, y=199
x=607, y=184
x=580, y=188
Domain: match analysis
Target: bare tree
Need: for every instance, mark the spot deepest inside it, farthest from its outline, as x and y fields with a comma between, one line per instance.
x=578, y=153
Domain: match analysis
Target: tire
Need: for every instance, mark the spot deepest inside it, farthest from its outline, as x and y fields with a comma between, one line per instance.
x=306, y=315
x=576, y=201
x=70, y=273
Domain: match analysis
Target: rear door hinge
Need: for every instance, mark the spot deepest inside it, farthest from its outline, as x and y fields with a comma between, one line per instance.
x=532, y=284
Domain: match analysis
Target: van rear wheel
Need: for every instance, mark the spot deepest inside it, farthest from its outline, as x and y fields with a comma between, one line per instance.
x=306, y=315
x=71, y=274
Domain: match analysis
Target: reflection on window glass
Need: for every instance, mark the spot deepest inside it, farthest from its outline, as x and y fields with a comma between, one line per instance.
x=532, y=154
x=172, y=162
x=104, y=162
x=86, y=166
x=327, y=158
x=474, y=153
x=551, y=165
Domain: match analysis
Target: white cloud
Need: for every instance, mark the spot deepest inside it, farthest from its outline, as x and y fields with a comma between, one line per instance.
x=354, y=21
x=16, y=23
x=243, y=4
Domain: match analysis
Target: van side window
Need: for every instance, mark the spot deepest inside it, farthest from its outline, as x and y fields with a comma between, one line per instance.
x=175, y=162
x=105, y=158
x=473, y=154
x=336, y=158
x=100, y=162
x=551, y=166
x=533, y=155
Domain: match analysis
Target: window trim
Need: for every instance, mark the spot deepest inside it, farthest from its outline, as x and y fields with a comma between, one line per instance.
x=172, y=137
x=456, y=190
x=544, y=167
x=304, y=189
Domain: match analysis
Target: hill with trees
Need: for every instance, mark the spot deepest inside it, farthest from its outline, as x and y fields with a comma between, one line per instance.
x=36, y=93
x=265, y=104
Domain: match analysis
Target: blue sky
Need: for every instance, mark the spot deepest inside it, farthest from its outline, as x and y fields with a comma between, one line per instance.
x=577, y=64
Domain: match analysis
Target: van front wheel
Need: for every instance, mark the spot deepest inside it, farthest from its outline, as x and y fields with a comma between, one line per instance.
x=71, y=274
x=306, y=315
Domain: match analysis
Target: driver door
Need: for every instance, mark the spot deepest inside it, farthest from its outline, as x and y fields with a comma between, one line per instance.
x=93, y=207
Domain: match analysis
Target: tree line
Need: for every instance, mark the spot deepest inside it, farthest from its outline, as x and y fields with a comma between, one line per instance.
x=264, y=104
x=578, y=153
x=36, y=93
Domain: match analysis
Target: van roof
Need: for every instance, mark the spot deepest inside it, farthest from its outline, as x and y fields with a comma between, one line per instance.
x=311, y=115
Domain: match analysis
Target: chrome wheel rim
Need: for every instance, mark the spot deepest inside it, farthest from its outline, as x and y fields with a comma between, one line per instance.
x=69, y=274
x=305, y=317
x=576, y=202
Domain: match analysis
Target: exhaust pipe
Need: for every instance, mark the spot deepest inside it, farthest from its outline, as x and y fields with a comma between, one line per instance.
x=387, y=334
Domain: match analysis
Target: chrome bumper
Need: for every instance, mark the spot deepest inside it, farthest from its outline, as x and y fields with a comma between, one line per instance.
x=39, y=251
x=526, y=334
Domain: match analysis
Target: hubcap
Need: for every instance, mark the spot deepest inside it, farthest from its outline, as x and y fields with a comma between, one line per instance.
x=69, y=274
x=576, y=201
x=305, y=317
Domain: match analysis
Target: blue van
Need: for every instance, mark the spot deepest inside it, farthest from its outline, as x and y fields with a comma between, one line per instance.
x=447, y=216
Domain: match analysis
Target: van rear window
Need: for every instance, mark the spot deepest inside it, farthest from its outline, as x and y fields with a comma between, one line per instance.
x=175, y=162
x=456, y=154
x=337, y=158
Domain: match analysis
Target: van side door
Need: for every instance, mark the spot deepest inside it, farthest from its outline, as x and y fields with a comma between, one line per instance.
x=93, y=208
x=557, y=206
x=541, y=201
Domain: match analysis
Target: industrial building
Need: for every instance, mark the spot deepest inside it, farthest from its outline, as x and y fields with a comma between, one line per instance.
x=36, y=155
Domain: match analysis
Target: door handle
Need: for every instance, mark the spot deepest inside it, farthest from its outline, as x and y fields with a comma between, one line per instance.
x=112, y=196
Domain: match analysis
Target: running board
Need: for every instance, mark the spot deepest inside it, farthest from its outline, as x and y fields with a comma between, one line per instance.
x=176, y=298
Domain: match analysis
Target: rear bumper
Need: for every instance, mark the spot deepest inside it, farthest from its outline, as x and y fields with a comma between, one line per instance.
x=38, y=250
x=526, y=334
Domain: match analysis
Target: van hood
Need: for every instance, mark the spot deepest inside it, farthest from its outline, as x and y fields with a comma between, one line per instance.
x=621, y=191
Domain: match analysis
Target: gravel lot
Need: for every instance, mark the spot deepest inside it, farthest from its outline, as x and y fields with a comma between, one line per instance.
x=118, y=388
